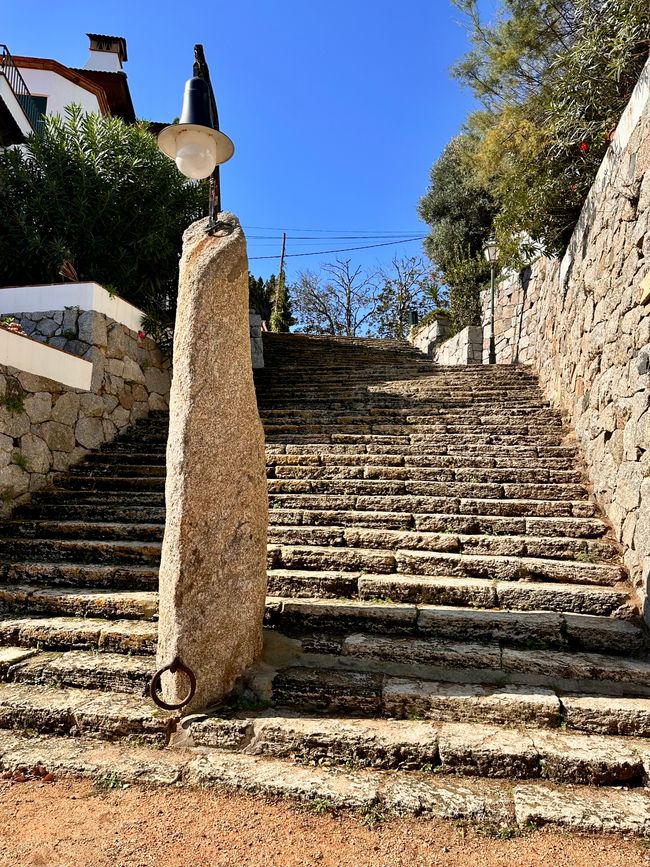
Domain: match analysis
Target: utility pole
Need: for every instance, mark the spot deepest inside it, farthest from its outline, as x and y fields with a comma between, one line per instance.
x=284, y=243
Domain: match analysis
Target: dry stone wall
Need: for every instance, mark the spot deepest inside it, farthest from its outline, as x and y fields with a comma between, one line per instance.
x=46, y=426
x=466, y=347
x=584, y=324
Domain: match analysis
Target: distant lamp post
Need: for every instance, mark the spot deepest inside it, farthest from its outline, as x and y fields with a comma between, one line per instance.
x=196, y=143
x=413, y=318
x=491, y=253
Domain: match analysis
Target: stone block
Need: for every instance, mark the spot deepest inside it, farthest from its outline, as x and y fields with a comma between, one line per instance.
x=66, y=408
x=91, y=328
x=36, y=452
x=132, y=371
x=59, y=437
x=157, y=380
x=89, y=433
x=214, y=548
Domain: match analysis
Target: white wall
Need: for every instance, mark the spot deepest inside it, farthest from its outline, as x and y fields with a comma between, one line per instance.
x=31, y=356
x=58, y=296
x=59, y=91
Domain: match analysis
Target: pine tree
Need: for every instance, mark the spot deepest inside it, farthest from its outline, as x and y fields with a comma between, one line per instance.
x=281, y=317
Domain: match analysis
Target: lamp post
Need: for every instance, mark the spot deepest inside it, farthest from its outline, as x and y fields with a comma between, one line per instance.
x=491, y=253
x=195, y=143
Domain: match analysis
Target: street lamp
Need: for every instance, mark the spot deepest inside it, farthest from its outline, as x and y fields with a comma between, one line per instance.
x=196, y=143
x=491, y=253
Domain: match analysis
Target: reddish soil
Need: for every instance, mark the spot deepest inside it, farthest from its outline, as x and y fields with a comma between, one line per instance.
x=74, y=824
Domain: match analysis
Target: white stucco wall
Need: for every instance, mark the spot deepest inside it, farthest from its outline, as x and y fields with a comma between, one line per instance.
x=58, y=296
x=39, y=359
x=59, y=91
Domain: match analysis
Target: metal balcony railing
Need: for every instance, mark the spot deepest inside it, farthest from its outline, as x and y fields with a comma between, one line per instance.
x=20, y=90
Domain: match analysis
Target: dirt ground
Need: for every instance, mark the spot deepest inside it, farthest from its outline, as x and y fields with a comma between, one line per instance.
x=77, y=823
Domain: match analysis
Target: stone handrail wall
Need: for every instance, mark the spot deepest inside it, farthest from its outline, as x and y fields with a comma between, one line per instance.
x=466, y=347
x=584, y=324
x=47, y=425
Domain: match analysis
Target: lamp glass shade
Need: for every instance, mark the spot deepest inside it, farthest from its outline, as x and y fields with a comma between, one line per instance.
x=491, y=251
x=196, y=153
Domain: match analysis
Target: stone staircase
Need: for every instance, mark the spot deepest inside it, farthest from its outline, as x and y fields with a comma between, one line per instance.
x=444, y=596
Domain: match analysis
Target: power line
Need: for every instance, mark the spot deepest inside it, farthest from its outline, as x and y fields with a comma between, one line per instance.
x=342, y=250
x=331, y=237
x=374, y=232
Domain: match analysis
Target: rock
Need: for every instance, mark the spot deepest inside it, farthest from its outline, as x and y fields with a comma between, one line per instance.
x=591, y=810
x=66, y=409
x=59, y=437
x=214, y=549
x=38, y=407
x=13, y=424
x=132, y=372
x=89, y=433
x=47, y=327
x=157, y=402
x=120, y=417
x=157, y=380
x=14, y=480
x=92, y=405
x=37, y=453
x=92, y=328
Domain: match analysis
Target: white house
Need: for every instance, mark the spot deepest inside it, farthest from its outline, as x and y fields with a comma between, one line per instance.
x=33, y=86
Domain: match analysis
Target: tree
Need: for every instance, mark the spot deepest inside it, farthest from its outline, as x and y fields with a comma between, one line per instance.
x=460, y=210
x=408, y=284
x=281, y=316
x=341, y=302
x=260, y=295
x=97, y=193
x=553, y=77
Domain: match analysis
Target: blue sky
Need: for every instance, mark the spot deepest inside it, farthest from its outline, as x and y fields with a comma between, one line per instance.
x=337, y=108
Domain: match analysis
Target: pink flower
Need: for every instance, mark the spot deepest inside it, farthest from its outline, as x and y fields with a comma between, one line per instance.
x=141, y=335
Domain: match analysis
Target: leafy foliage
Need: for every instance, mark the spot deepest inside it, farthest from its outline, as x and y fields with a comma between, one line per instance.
x=97, y=193
x=281, y=316
x=553, y=77
x=260, y=295
x=460, y=211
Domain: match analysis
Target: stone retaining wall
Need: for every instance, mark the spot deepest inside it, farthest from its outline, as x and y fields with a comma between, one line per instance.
x=584, y=324
x=427, y=337
x=466, y=347
x=46, y=426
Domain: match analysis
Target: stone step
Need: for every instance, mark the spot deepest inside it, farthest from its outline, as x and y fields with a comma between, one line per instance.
x=429, y=461
x=485, y=593
x=505, y=628
x=547, y=547
x=506, y=806
x=567, y=528
x=58, y=710
x=93, y=513
x=362, y=663
x=444, y=489
x=360, y=470
x=128, y=576
x=425, y=450
x=118, y=469
x=63, y=633
x=82, y=551
x=473, y=750
x=470, y=432
x=432, y=563
x=97, y=530
x=117, y=497
x=411, y=504
x=81, y=669
x=469, y=441
x=76, y=602
x=122, y=483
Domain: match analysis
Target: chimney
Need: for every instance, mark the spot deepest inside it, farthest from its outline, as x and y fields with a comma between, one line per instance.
x=107, y=53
